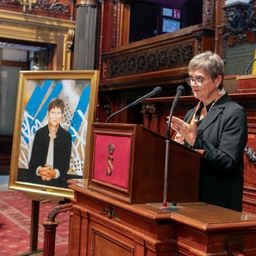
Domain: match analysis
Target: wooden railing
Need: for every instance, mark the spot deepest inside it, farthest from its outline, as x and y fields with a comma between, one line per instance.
x=50, y=226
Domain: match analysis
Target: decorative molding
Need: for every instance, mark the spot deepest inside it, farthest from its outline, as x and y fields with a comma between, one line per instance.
x=68, y=42
x=114, y=6
x=199, y=37
x=152, y=60
x=148, y=108
x=67, y=207
x=110, y=213
x=93, y=3
x=208, y=12
x=30, y=20
x=69, y=39
x=46, y=5
x=28, y=27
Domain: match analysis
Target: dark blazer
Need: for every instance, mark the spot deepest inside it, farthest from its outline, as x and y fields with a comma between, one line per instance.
x=223, y=136
x=62, y=152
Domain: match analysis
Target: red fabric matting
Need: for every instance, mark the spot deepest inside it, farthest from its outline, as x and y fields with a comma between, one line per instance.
x=121, y=159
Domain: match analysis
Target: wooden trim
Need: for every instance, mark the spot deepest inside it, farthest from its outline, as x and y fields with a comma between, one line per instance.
x=23, y=65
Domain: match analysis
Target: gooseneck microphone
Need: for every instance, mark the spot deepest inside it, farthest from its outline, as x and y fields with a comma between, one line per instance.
x=157, y=90
x=179, y=91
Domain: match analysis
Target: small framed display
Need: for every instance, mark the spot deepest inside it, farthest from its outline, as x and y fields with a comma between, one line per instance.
x=170, y=25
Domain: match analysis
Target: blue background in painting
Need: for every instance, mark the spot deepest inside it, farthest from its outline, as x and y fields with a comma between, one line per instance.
x=38, y=113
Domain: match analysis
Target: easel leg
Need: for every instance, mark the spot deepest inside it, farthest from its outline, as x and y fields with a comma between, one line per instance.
x=34, y=225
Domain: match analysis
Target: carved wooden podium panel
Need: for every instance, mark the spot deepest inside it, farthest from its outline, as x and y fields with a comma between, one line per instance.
x=137, y=158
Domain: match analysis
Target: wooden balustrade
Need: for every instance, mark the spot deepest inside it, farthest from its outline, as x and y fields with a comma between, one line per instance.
x=50, y=226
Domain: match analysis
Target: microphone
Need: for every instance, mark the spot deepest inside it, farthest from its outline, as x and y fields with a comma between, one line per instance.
x=157, y=90
x=179, y=91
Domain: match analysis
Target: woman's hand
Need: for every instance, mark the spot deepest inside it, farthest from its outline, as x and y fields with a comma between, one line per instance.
x=186, y=131
x=178, y=138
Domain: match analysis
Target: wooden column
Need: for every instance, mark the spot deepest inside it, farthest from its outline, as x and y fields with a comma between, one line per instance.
x=49, y=237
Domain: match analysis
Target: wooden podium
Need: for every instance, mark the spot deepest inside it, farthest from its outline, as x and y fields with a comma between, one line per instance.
x=119, y=211
x=137, y=158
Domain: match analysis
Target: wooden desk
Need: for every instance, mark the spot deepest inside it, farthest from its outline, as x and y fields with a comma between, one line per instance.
x=101, y=226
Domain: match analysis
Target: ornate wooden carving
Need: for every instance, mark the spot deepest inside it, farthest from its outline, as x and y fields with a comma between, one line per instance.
x=50, y=226
x=160, y=59
x=207, y=14
x=151, y=60
x=250, y=154
x=110, y=213
x=49, y=8
x=55, y=6
x=46, y=5
x=199, y=37
x=116, y=10
x=240, y=19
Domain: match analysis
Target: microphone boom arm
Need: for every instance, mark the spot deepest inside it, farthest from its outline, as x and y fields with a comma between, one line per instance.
x=157, y=90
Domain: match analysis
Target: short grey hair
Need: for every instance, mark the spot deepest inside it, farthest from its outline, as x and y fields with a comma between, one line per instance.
x=210, y=62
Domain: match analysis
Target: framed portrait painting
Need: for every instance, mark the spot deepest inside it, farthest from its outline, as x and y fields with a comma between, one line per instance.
x=54, y=113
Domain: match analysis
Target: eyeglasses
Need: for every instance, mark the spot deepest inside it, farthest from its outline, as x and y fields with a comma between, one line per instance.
x=196, y=81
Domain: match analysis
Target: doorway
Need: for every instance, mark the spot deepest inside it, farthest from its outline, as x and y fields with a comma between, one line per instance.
x=13, y=58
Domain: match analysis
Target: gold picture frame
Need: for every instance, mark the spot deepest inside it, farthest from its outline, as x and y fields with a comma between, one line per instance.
x=78, y=90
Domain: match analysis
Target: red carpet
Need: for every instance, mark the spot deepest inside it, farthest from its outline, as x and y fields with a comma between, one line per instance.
x=15, y=221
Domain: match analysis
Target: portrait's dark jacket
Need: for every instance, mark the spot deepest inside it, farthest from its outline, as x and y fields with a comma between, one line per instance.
x=62, y=153
x=223, y=136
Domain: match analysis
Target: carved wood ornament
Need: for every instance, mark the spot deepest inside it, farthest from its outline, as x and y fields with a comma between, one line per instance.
x=250, y=154
x=152, y=60
x=240, y=19
x=46, y=5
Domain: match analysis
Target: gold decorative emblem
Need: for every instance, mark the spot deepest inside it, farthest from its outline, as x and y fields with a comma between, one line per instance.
x=110, y=159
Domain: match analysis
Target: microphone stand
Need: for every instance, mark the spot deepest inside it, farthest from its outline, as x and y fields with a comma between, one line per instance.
x=167, y=146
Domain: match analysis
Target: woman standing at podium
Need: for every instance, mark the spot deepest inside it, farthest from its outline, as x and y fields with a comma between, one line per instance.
x=217, y=125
